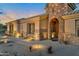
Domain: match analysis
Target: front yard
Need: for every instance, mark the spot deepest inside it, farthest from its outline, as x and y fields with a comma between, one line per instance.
x=20, y=47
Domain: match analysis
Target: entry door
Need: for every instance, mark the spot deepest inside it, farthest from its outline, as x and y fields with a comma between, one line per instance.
x=54, y=29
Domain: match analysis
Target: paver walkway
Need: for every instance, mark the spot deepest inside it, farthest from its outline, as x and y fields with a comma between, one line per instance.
x=20, y=48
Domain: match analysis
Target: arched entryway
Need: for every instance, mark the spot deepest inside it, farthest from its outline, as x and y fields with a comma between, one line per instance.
x=54, y=28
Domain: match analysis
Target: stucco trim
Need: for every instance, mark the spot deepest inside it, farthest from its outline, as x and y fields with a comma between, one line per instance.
x=72, y=16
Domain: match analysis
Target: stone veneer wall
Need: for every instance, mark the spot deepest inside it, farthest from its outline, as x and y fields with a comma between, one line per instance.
x=56, y=10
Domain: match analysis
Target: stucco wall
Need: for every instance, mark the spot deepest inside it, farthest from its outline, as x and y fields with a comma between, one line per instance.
x=44, y=28
x=24, y=23
x=70, y=26
x=15, y=27
x=24, y=29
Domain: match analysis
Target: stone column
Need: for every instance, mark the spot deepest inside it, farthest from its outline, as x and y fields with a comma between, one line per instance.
x=61, y=29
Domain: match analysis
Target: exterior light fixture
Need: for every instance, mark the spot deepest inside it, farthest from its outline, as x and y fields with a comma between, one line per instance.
x=58, y=10
x=53, y=34
x=17, y=34
x=37, y=47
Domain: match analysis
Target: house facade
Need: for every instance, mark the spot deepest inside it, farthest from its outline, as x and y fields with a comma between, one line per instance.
x=60, y=18
x=34, y=26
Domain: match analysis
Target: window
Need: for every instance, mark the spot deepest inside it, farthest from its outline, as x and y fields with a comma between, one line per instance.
x=11, y=28
x=78, y=32
x=77, y=27
x=30, y=28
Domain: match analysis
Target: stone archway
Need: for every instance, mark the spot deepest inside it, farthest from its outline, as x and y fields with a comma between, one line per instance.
x=54, y=28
